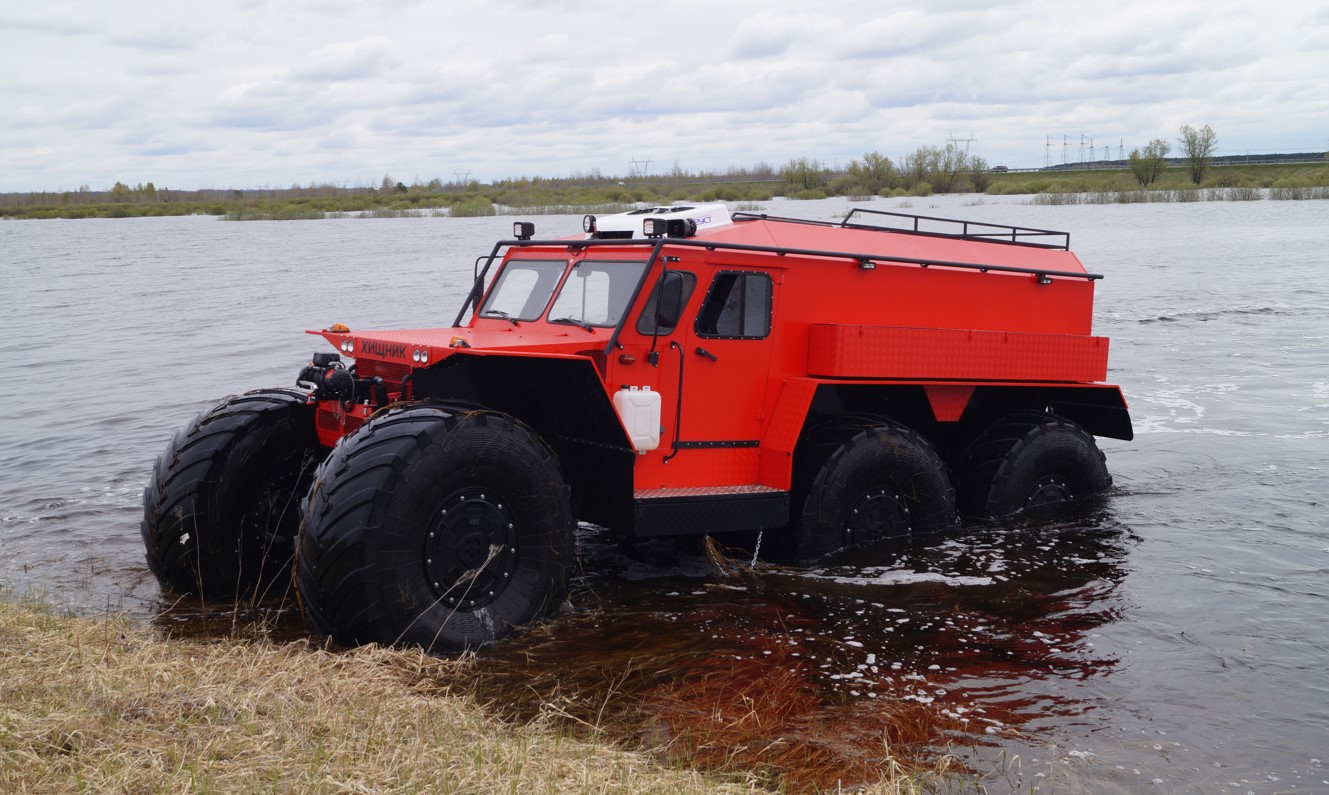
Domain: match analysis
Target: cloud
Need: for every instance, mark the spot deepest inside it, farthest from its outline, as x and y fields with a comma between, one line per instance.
x=344, y=60
x=29, y=21
x=257, y=92
x=159, y=37
x=768, y=36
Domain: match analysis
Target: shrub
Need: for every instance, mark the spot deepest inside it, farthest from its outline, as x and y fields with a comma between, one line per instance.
x=471, y=208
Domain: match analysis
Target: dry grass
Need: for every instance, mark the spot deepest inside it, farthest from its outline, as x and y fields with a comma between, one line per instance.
x=103, y=706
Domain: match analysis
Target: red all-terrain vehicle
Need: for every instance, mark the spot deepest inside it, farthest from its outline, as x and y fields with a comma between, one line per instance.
x=671, y=370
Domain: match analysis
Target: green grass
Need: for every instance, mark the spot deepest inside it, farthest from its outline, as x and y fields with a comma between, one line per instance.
x=1300, y=180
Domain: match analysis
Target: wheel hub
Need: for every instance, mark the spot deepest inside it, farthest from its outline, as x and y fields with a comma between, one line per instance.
x=1049, y=490
x=881, y=512
x=471, y=548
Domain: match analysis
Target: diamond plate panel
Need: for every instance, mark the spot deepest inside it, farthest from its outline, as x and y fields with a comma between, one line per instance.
x=842, y=351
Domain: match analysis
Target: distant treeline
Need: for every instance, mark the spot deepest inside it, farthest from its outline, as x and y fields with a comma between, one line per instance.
x=927, y=170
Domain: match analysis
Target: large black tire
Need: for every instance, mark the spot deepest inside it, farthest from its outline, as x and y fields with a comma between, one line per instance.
x=222, y=509
x=880, y=483
x=1029, y=460
x=437, y=529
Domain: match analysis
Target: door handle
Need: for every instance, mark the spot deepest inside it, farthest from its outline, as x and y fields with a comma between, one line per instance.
x=707, y=354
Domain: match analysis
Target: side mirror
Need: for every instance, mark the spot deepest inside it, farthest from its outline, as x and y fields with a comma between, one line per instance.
x=669, y=307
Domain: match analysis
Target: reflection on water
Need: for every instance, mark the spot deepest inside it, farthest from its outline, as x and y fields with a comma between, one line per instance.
x=817, y=672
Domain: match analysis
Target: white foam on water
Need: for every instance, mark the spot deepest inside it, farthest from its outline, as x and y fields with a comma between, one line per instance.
x=900, y=577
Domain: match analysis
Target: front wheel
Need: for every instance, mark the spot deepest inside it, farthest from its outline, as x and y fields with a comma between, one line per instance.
x=221, y=510
x=434, y=528
x=881, y=483
x=1030, y=460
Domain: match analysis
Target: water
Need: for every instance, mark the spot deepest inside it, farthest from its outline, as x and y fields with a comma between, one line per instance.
x=1171, y=640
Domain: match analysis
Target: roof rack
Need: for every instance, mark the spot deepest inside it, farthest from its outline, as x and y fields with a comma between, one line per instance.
x=932, y=226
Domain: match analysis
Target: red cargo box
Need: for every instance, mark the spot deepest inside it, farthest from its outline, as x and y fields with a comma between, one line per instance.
x=844, y=351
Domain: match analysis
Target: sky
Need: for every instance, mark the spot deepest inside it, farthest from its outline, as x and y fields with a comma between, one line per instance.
x=253, y=94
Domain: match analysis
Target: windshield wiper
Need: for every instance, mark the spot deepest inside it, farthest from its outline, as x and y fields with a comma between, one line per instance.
x=499, y=313
x=573, y=321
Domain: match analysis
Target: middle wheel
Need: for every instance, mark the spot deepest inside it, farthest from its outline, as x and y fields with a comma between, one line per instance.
x=435, y=529
x=883, y=482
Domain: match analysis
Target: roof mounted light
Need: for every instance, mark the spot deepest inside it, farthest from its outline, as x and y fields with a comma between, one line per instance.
x=682, y=227
x=588, y=224
x=672, y=227
x=523, y=230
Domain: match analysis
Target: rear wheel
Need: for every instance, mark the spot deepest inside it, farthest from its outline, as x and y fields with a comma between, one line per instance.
x=221, y=512
x=1030, y=460
x=435, y=529
x=881, y=483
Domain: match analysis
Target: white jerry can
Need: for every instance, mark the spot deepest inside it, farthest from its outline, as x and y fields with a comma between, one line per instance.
x=639, y=410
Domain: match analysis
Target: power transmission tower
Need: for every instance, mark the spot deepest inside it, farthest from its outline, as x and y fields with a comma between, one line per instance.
x=463, y=177
x=1065, y=148
x=1047, y=153
x=1121, y=148
x=641, y=168
x=965, y=141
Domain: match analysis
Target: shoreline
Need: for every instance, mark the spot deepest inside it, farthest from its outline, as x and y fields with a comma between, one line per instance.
x=103, y=704
x=1237, y=182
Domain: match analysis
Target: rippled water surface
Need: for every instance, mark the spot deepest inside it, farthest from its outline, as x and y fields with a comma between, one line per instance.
x=1173, y=639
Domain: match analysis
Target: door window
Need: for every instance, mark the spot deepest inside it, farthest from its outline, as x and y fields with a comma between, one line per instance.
x=647, y=322
x=738, y=306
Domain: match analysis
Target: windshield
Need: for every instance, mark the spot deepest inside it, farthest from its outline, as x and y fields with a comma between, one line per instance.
x=522, y=289
x=597, y=292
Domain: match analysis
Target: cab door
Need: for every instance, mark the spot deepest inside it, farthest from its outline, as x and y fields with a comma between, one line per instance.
x=711, y=368
x=725, y=361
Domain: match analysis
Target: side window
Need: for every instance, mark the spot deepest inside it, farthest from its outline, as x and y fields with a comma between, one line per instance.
x=646, y=324
x=738, y=306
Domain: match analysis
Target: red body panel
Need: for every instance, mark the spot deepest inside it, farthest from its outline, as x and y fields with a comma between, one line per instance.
x=839, y=351
x=884, y=310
